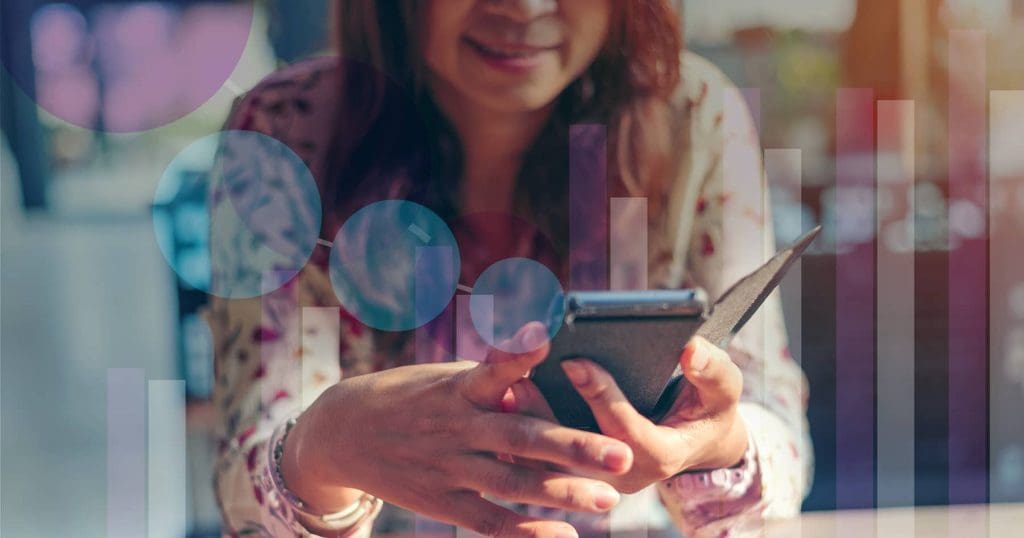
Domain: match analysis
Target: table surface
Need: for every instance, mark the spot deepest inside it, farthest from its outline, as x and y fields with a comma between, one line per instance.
x=932, y=521
x=973, y=521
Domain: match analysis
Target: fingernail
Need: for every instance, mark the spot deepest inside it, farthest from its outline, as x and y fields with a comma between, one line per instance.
x=533, y=337
x=614, y=457
x=700, y=357
x=509, y=401
x=605, y=497
x=576, y=372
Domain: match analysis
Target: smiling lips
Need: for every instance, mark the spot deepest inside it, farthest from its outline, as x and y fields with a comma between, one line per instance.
x=516, y=57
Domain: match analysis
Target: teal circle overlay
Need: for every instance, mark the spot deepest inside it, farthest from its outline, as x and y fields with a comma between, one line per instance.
x=511, y=293
x=394, y=265
x=237, y=214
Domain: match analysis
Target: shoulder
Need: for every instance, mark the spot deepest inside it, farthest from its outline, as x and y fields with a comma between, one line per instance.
x=702, y=97
x=295, y=104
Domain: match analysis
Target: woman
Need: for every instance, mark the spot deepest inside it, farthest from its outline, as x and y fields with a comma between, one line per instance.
x=496, y=86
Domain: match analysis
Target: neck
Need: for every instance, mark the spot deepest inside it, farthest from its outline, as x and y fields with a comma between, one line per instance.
x=493, y=143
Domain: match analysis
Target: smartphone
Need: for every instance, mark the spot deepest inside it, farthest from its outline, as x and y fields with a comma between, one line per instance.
x=637, y=336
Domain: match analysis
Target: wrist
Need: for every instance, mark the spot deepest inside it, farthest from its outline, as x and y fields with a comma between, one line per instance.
x=739, y=441
x=728, y=452
x=318, y=506
x=308, y=473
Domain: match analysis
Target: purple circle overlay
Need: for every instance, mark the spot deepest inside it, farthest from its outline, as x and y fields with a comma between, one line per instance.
x=128, y=67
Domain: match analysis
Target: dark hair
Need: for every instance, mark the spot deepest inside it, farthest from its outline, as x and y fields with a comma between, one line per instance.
x=377, y=153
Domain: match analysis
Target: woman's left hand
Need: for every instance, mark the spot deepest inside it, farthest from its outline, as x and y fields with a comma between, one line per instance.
x=703, y=429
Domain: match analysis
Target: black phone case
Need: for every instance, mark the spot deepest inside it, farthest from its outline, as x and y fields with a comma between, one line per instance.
x=641, y=353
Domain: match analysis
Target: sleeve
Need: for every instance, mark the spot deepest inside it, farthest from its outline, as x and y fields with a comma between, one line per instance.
x=730, y=237
x=274, y=353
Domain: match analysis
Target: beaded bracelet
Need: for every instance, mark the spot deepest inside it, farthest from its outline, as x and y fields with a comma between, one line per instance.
x=345, y=521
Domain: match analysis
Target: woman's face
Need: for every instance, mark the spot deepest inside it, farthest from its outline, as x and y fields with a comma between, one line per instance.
x=512, y=55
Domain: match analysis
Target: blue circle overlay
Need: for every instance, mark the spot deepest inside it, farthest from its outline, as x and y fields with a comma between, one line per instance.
x=511, y=293
x=237, y=214
x=395, y=265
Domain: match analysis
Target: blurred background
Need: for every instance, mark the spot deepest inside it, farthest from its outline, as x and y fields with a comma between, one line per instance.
x=931, y=373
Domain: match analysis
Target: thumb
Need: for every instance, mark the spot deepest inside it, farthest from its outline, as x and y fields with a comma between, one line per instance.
x=711, y=371
x=487, y=383
x=527, y=400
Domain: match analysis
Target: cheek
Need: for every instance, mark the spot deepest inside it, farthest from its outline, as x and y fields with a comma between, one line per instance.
x=590, y=24
x=440, y=33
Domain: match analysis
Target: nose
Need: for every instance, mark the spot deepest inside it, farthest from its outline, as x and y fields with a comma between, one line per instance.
x=521, y=10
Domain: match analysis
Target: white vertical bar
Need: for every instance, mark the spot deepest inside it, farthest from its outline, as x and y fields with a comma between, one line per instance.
x=633, y=517
x=784, y=172
x=744, y=193
x=321, y=348
x=894, y=443
x=1006, y=302
x=168, y=472
x=126, y=453
x=628, y=249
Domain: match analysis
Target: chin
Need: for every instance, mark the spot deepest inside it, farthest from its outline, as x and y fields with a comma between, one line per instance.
x=517, y=100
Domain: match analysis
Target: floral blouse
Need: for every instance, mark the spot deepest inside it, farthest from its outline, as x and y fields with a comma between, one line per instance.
x=277, y=352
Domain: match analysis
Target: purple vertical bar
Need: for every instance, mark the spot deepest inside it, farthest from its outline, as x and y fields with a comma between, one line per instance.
x=968, y=271
x=588, y=207
x=126, y=453
x=855, y=299
x=473, y=338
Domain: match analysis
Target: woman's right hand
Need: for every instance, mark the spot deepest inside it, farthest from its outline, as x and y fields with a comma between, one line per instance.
x=426, y=437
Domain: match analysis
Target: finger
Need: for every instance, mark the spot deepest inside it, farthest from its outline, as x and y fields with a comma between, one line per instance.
x=471, y=511
x=614, y=414
x=711, y=371
x=527, y=400
x=545, y=488
x=536, y=439
x=487, y=383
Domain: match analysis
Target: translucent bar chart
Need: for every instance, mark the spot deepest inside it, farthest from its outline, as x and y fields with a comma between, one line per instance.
x=167, y=481
x=126, y=453
x=784, y=175
x=855, y=300
x=628, y=248
x=473, y=331
x=321, y=348
x=1006, y=299
x=895, y=350
x=743, y=199
x=588, y=207
x=968, y=268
